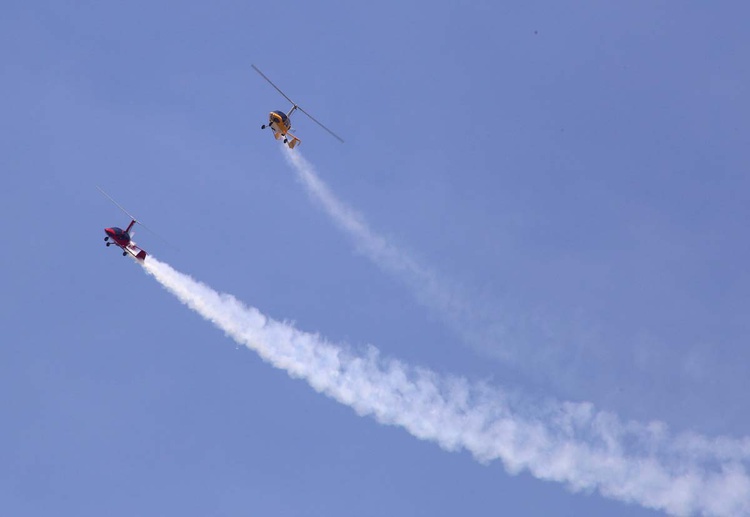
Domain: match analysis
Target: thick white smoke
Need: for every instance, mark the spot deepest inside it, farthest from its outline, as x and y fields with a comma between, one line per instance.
x=571, y=443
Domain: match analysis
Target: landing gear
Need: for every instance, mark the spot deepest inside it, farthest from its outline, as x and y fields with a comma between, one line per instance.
x=263, y=126
x=285, y=141
x=106, y=238
x=124, y=253
x=108, y=244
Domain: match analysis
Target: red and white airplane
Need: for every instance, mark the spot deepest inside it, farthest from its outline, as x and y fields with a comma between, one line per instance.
x=123, y=238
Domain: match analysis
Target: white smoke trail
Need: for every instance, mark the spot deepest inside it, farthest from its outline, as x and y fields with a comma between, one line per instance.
x=571, y=443
x=376, y=247
x=472, y=324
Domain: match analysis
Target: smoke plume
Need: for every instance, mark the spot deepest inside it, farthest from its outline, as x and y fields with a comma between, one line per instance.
x=571, y=443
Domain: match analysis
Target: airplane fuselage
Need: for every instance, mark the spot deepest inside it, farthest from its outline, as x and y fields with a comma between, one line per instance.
x=118, y=236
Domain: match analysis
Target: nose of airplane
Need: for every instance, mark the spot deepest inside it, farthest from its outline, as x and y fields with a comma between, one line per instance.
x=109, y=231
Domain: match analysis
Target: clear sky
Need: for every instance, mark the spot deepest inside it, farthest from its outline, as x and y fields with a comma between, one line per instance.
x=573, y=176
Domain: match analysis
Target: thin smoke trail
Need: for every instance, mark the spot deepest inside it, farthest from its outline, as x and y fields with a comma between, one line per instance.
x=471, y=323
x=571, y=443
x=371, y=244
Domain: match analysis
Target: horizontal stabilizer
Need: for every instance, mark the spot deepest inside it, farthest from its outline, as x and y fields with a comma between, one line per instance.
x=135, y=251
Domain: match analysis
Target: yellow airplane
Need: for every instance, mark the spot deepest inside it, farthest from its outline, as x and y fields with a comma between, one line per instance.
x=281, y=123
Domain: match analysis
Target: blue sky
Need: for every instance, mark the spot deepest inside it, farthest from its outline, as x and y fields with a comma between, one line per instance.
x=574, y=174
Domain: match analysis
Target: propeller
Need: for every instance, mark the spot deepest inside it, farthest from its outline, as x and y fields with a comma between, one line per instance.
x=117, y=204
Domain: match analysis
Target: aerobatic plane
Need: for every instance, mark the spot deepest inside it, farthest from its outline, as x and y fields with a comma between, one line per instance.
x=281, y=123
x=123, y=238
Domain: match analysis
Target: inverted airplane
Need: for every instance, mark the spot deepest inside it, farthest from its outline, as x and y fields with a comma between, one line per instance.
x=123, y=238
x=281, y=123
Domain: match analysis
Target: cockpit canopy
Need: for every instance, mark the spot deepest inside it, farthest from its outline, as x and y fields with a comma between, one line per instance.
x=281, y=114
x=119, y=233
